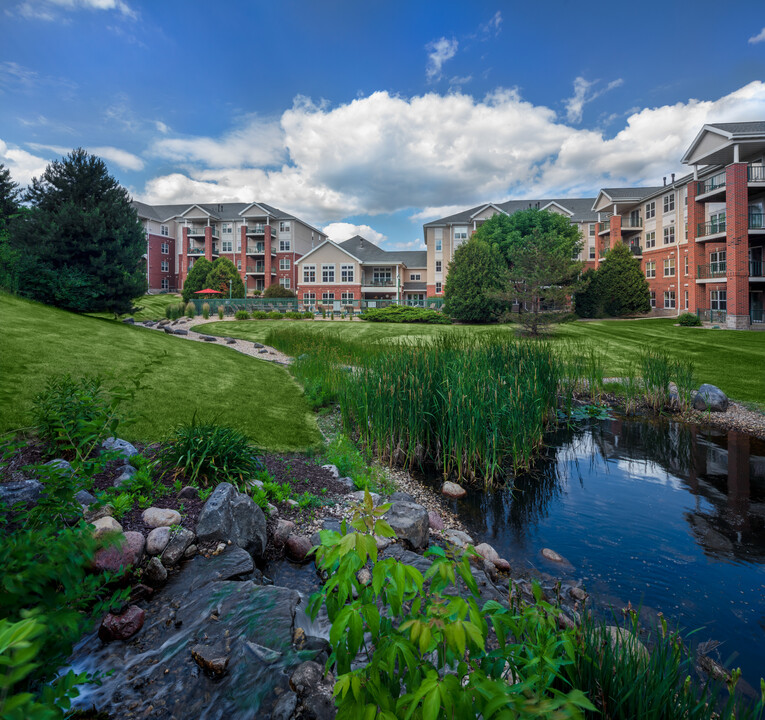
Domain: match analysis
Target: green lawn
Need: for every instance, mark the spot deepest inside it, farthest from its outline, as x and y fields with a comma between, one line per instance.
x=152, y=307
x=733, y=360
x=260, y=398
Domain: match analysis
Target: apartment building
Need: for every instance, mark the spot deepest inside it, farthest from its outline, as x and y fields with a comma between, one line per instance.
x=444, y=236
x=263, y=242
x=340, y=274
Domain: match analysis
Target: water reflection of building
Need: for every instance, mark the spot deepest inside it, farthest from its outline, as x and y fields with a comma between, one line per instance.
x=725, y=471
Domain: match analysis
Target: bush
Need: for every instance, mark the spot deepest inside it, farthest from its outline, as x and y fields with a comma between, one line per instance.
x=293, y=315
x=168, y=311
x=242, y=315
x=206, y=311
x=260, y=315
x=689, y=320
x=351, y=463
x=208, y=454
x=196, y=279
x=220, y=312
x=191, y=310
x=275, y=315
x=404, y=314
x=256, y=293
x=277, y=291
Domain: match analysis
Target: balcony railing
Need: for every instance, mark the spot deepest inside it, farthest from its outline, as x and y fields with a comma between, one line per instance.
x=711, y=270
x=603, y=226
x=755, y=173
x=632, y=223
x=200, y=230
x=756, y=221
x=756, y=268
x=757, y=316
x=714, y=183
x=636, y=250
x=713, y=316
x=256, y=268
x=256, y=229
x=257, y=249
x=196, y=251
x=379, y=283
x=711, y=228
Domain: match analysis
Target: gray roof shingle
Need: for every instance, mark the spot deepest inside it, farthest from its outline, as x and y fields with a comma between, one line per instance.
x=580, y=207
x=229, y=212
x=741, y=128
x=368, y=252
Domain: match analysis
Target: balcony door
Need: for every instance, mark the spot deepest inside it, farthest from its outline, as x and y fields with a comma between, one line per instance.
x=755, y=306
x=755, y=262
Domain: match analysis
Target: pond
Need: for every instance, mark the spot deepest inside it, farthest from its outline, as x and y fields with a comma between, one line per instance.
x=666, y=516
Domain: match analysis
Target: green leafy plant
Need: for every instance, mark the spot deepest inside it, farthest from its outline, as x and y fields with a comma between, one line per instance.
x=122, y=504
x=220, y=312
x=206, y=311
x=350, y=462
x=191, y=310
x=275, y=315
x=208, y=453
x=242, y=315
x=404, y=314
x=689, y=320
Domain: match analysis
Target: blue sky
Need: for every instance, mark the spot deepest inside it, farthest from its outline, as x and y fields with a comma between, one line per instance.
x=372, y=115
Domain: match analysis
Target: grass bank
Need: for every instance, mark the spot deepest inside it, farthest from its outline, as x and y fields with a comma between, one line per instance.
x=152, y=307
x=729, y=359
x=260, y=398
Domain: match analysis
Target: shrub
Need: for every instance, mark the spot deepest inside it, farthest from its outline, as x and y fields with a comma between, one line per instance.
x=260, y=315
x=293, y=315
x=256, y=293
x=277, y=291
x=275, y=315
x=689, y=320
x=196, y=279
x=242, y=315
x=404, y=314
x=351, y=463
x=220, y=312
x=191, y=310
x=224, y=276
x=208, y=453
x=168, y=311
x=308, y=315
x=206, y=311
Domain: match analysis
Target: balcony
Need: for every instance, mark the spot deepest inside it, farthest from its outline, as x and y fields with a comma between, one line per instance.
x=756, y=221
x=633, y=223
x=256, y=230
x=755, y=173
x=257, y=269
x=256, y=249
x=199, y=230
x=604, y=227
x=387, y=283
x=603, y=252
x=756, y=269
x=711, y=271
x=713, y=227
x=196, y=251
x=711, y=185
x=712, y=316
x=636, y=250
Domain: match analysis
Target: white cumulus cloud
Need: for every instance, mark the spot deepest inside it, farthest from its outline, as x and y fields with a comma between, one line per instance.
x=23, y=166
x=439, y=51
x=583, y=94
x=340, y=231
x=52, y=9
x=758, y=38
x=122, y=158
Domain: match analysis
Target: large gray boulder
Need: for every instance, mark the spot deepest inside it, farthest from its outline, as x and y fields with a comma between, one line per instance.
x=123, y=447
x=22, y=491
x=176, y=547
x=231, y=515
x=710, y=397
x=410, y=522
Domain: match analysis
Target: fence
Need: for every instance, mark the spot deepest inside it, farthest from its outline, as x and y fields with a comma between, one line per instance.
x=234, y=305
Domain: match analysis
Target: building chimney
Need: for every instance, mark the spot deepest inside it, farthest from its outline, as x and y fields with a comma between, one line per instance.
x=665, y=180
x=673, y=177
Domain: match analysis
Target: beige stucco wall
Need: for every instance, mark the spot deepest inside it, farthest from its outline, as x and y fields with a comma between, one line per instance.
x=327, y=255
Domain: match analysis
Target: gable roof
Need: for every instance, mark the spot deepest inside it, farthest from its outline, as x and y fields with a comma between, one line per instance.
x=579, y=209
x=368, y=252
x=716, y=150
x=321, y=245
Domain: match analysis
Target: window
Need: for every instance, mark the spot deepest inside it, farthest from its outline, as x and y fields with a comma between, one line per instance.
x=227, y=229
x=165, y=266
x=653, y=298
x=220, y=208
x=439, y=245
x=669, y=235
x=650, y=239
x=669, y=299
x=686, y=231
x=382, y=276
x=328, y=273
x=718, y=262
x=346, y=298
x=309, y=299
x=309, y=273
x=669, y=204
x=650, y=210
x=650, y=269
x=592, y=229
x=686, y=299
x=284, y=263
x=346, y=273
x=165, y=283
x=227, y=246
x=438, y=266
x=686, y=265
x=592, y=252
x=284, y=245
x=669, y=268
x=438, y=234
x=238, y=264
x=438, y=288
x=327, y=297
x=718, y=300
x=460, y=233
x=284, y=282
x=163, y=230
x=165, y=248
x=414, y=276
x=284, y=227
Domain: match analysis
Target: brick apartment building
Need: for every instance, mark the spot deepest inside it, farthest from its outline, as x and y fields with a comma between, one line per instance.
x=176, y=235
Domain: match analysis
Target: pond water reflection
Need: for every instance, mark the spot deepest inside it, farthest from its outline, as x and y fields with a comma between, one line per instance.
x=664, y=515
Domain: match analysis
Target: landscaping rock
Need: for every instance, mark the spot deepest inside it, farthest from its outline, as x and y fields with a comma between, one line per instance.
x=410, y=523
x=189, y=492
x=212, y=658
x=191, y=550
x=711, y=398
x=318, y=706
x=168, y=330
x=180, y=331
x=333, y=470
x=285, y=707
x=458, y=537
x=284, y=528
x=22, y=491
x=60, y=464
x=230, y=515
x=230, y=341
x=262, y=352
x=552, y=556
x=452, y=490
x=179, y=541
x=122, y=627
x=155, y=574
x=83, y=497
x=105, y=525
x=622, y=639
x=358, y=496
x=435, y=521
x=489, y=553
x=123, y=447
x=129, y=321
x=347, y=483
x=292, y=503
x=125, y=552
x=123, y=478
x=401, y=496
x=136, y=544
x=257, y=345
x=157, y=540
x=578, y=594
x=306, y=678
x=298, y=547
x=156, y=517
x=208, y=338
x=96, y=513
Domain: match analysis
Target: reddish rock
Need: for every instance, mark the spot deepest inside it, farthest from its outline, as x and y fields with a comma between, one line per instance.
x=136, y=543
x=125, y=551
x=297, y=547
x=435, y=521
x=452, y=490
x=489, y=553
x=284, y=528
x=121, y=627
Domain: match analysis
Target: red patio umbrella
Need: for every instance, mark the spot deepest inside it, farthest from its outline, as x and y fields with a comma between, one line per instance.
x=207, y=292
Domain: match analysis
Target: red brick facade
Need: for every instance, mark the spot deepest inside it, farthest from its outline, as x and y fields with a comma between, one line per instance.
x=155, y=258
x=338, y=291
x=737, y=242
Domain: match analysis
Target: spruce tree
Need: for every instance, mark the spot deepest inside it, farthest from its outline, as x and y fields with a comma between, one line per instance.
x=222, y=273
x=621, y=284
x=197, y=278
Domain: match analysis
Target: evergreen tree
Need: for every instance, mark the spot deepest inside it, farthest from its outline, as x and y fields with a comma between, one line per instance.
x=197, y=278
x=10, y=257
x=477, y=275
x=587, y=302
x=9, y=197
x=82, y=241
x=621, y=285
x=222, y=272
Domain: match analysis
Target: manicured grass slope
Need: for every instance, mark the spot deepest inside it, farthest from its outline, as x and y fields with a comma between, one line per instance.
x=732, y=360
x=152, y=307
x=260, y=398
